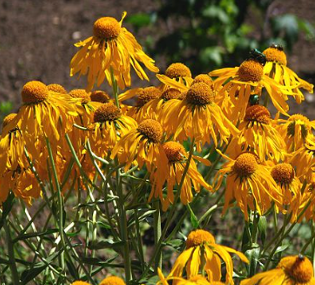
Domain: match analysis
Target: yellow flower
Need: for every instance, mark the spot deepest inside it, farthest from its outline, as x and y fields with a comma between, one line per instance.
x=296, y=130
x=113, y=280
x=291, y=270
x=57, y=88
x=247, y=79
x=303, y=160
x=258, y=135
x=170, y=170
x=143, y=96
x=289, y=185
x=176, y=74
x=249, y=183
x=79, y=282
x=276, y=68
x=197, y=116
x=111, y=48
x=202, y=253
x=195, y=280
x=108, y=127
x=141, y=145
x=99, y=96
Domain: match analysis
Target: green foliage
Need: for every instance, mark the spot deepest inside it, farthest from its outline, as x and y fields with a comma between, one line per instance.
x=5, y=109
x=207, y=34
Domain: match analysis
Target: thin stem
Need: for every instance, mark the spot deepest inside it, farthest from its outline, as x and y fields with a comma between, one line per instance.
x=115, y=88
x=15, y=274
x=157, y=233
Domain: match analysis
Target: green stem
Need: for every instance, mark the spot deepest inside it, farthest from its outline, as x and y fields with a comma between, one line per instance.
x=115, y=88
x=123, y=227
x=158, y=246
x=157, y=233
x=15, y=274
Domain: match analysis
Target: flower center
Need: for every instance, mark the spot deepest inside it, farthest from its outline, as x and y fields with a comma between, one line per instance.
x=171, y=93
x=205, y=78
x=56, y=88
x=8, y=119
x=79, y=282
x=106, y=28
x=300, y=120
x=283, y=173
x=258, y=114
x=178, y=69
x=34, y=92
x=198, y=237
x=299, y=268
x=275, y=55
x=113, y=280
x=106, y=112
x=245, y=164
x=80, y=93
x=147, y=94
x=250, y=70
x=151, y=129
x=174, y=151
x=99, y=96
x=200, y=94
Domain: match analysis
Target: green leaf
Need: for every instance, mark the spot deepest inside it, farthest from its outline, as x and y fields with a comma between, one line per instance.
x=7, y=206
x=193, y=218
x=262, y=227
x=37, y=234
x=281, y=248
x=139, y=20
x=106, y=244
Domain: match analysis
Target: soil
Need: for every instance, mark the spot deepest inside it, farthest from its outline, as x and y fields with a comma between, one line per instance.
x=37, y=38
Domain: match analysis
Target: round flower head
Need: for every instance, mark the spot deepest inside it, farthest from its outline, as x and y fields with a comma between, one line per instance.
x=109, y=125
x=113, y=280
x=79, y=282
x=141, y=145
x=291, y=270
x=143, y=96
x=44, y=114
x=57, y=88
x=249, y=78
x=289, y=185
x=197, y=116
x=112, y=48
x=296, y=131
x=176, y=73
x=249, y=183
x=276, y=68
x=169, y=169
x=202, y=253
x=258, y=135
x=99, y=96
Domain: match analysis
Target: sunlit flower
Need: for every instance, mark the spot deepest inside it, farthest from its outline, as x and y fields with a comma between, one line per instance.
x=276, y=68
x=112, y=48
x=258, y=135
x=195, y=280
x=202, y=253
x=143, y=96
x=57, y=88
x=171, y=172
x=296, y=130
x=109, y=125
x=291, y=270
x=79, y=282
x=247, y=79
x=141, y=145
x=198, y=117
x=289, y=185
x=249, y=183
x=176, y=73
x=113, y=280
x=303, y=160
